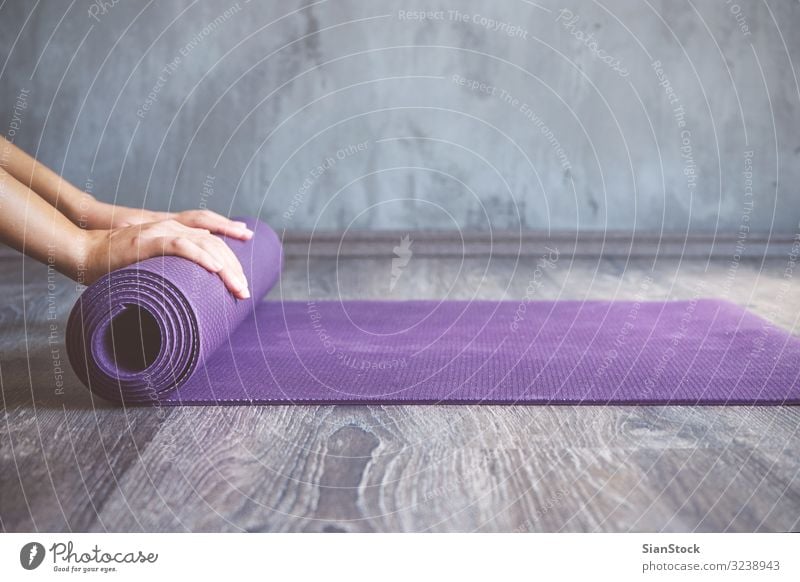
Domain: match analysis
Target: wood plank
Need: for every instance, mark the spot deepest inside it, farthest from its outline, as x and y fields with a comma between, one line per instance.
x=68, y=462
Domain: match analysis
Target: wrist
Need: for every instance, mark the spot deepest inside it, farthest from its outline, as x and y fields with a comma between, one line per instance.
x=80, y=263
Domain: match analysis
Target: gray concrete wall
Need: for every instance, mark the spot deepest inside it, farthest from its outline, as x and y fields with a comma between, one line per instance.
x=356, y=114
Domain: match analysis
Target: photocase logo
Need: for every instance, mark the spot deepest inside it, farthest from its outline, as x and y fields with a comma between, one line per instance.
x=402, y=255
x=31, y=555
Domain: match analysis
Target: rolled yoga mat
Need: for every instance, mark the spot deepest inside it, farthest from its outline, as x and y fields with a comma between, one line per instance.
x=165, y=331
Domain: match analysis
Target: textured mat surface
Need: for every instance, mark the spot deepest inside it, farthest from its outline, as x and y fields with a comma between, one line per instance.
x=166, y=331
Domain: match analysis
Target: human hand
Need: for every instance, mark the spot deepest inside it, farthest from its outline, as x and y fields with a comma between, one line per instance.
x=100, y=215
x=107, y=250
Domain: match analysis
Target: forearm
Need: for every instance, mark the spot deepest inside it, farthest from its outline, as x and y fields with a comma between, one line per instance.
x=60, y=193
x=31, y=225
x=34, y=227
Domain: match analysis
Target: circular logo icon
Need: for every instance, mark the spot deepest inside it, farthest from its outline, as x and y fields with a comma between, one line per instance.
x=31, y=555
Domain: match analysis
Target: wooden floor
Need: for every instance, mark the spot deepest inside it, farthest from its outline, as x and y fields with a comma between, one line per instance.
x=71, y=463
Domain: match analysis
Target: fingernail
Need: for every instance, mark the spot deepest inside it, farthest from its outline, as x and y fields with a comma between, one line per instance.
x=245, y=293
x=240, y=224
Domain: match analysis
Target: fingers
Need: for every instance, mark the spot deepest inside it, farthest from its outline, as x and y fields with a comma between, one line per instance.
x=122, y=246
x=188, y=249
x=231, y=273
x=200, y=246
x=215, y=223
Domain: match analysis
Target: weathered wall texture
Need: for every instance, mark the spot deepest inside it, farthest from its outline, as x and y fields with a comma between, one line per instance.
x=672, y=116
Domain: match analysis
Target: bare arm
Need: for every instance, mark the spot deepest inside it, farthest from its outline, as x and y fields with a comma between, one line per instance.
x=87, y=212
x=45, y=182
x=34, y=227
x=31, y=225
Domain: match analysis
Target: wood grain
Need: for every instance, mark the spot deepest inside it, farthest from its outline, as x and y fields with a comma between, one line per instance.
x=69, y=462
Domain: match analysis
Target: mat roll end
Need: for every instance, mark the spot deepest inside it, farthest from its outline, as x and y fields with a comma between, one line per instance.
x=132, y=337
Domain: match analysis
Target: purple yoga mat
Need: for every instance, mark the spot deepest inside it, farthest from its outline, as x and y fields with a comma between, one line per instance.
x=166, y=331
